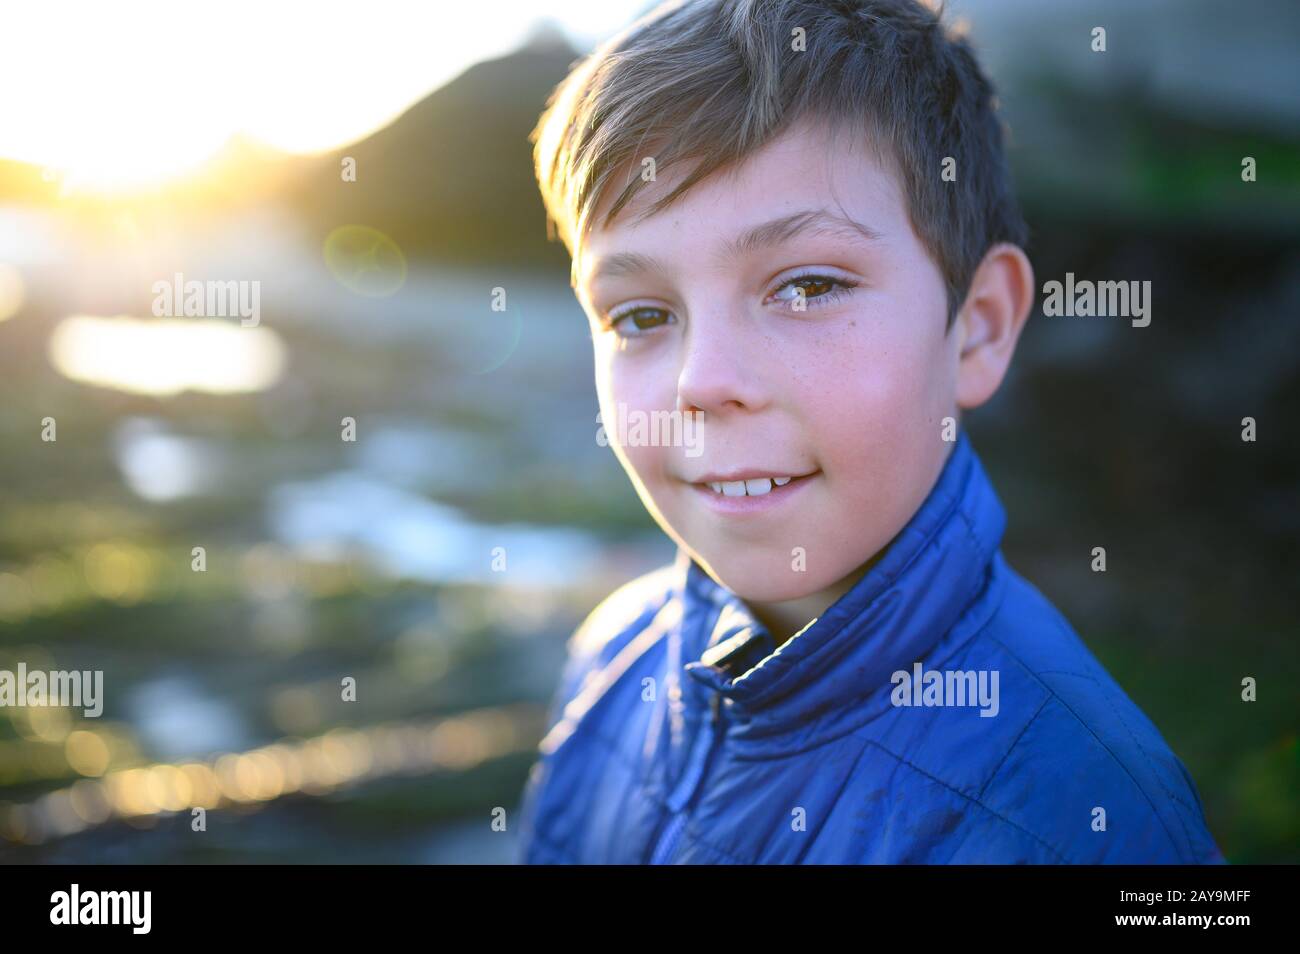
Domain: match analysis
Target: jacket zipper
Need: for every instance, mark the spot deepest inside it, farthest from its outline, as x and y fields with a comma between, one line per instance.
x=683, y=795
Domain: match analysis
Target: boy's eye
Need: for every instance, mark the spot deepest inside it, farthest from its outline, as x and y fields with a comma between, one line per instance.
x=636, y=322
x=813, y=287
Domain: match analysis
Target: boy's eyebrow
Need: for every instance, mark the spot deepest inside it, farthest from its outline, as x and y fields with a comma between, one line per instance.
x=765, y=234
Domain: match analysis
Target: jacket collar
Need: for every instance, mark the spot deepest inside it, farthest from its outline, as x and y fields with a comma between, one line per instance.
x=929, y=577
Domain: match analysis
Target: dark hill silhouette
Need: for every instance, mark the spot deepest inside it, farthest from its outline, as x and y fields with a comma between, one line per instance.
x=451, y=178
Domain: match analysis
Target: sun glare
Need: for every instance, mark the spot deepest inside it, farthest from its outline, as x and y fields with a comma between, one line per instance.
x=166, y=356
x=117, y=101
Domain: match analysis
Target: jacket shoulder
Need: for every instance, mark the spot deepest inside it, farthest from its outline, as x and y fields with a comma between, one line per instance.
x=592, y=655
x=1088, y=774
x=616, y=617
x=604, y=633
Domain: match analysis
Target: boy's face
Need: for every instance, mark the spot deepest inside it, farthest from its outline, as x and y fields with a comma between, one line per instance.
x=845, y=391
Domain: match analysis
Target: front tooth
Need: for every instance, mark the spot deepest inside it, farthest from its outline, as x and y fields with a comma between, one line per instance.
x=758, y=486
x=716, y=487
x=780, y=481
x=733, y=488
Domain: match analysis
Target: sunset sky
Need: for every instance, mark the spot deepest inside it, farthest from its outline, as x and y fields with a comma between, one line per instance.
x=108, y=98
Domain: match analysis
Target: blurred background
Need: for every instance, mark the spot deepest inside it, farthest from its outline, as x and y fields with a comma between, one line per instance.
x=209, y=140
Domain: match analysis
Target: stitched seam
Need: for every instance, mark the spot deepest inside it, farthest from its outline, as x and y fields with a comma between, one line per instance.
x=833, y=802
x=985, y=555
x=688, y=832
x=820, y=741
x=1006, y=755
x=938, y=781
x=1010, y=652
x=1172, y=796
x=1160, y=781
x=1158, y=774
x=1062, y=672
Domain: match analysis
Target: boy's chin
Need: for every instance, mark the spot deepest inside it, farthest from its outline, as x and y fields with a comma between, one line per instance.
x=771, y=581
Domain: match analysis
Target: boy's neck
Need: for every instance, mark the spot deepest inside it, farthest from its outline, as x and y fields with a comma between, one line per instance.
x=782, y=620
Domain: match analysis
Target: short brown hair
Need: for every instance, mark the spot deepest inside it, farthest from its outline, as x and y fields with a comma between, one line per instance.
x=712, y=81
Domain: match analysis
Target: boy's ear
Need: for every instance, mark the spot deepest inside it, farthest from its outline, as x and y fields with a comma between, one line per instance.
x=990, y=321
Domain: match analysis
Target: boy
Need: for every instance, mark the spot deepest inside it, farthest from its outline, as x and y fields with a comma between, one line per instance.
x=791, y=223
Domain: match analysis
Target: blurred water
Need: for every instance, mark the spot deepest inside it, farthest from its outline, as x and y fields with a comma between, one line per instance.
x=178, y=719
x=414, y=537
x=159, y=466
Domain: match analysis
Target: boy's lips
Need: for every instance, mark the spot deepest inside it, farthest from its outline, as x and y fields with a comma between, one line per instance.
x=750, y=473
x=747, y=503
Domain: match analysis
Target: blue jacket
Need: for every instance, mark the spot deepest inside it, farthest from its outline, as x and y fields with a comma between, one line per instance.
x=681, y=734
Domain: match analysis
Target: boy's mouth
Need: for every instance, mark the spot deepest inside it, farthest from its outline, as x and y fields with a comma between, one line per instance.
x=748, y=491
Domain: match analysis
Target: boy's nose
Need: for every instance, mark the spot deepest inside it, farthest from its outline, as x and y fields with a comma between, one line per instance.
x=716, y=394
x=715, y=376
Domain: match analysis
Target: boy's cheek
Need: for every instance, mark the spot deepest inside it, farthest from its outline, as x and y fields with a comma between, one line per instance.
x=887, y=398
x=624, y=420
x=883, y=447
x=632, y=380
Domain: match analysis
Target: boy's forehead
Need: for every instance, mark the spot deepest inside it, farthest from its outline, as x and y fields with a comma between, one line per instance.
x=798, y=182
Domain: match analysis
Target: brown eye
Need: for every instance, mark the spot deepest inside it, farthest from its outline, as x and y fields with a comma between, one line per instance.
x=813, y=288
x=638, y=321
